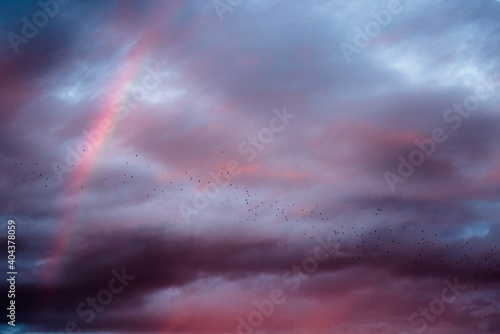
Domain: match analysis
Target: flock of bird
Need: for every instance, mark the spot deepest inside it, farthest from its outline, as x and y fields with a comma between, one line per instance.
x=360, y=243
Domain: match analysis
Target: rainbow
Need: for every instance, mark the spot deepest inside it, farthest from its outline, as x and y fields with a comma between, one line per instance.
x=134, y=64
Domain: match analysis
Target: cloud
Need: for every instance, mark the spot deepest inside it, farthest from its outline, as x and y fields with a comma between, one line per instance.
x=117, y=208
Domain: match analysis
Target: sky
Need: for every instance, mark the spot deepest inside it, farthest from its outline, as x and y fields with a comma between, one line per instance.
x=250, y=166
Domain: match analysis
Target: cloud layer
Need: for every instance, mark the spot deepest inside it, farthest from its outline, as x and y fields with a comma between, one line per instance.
x=227, y=167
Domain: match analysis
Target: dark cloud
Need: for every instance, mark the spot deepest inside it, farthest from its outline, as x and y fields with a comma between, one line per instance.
x=184, y=93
